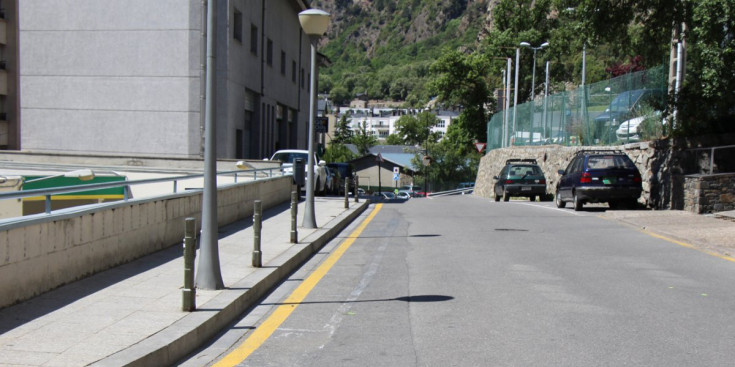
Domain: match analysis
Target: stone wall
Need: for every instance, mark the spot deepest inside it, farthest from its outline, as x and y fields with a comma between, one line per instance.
x=552, y=158
x=709, y=193
x=665, y=166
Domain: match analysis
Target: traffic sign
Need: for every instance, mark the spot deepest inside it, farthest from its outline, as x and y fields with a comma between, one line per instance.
x=480, y=147
x=322, y=124
x=396, y=170
x=379, y=158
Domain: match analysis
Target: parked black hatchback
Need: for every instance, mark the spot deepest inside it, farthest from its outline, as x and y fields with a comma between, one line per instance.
x=520, y=177
x=599, y=176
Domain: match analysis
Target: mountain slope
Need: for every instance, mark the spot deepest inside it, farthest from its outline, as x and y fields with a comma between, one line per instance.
x=382, y=48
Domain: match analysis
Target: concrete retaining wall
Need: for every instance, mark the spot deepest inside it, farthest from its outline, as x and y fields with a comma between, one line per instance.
x=47, y=251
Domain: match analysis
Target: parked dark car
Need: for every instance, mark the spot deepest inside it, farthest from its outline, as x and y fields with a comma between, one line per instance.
x=625, y=106
x=598, y=176
x=345, y=171
x=520, y=177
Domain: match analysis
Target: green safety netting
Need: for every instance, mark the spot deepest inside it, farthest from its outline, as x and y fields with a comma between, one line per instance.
x=616, y=111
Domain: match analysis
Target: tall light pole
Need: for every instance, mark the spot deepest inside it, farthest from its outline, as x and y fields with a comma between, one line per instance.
x=507, y=102
x=515, y=98
x=209, y=275
x=533, y=78
x=314, y=23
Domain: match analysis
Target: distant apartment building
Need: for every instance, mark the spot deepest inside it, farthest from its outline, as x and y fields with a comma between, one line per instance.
x=381, y=122
x=128, y=78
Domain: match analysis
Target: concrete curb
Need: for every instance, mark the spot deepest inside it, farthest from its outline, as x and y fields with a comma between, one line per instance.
x=187, y=334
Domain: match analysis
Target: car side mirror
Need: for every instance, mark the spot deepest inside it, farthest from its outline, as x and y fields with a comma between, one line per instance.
x=322, y=162
x=561, y=171
x=496, y=178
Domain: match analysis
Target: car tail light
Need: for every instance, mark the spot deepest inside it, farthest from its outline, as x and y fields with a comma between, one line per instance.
x=637, y=179
x=586, y=178
x=509, y=181
x=542, y=182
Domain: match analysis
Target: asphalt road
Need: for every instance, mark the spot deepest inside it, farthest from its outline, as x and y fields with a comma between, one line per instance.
x=465, y=281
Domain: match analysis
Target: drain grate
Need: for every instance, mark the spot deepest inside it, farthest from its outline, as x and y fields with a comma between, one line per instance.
x=511, y=229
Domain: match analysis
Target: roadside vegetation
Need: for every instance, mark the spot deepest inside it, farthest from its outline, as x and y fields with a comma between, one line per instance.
x=453, y=51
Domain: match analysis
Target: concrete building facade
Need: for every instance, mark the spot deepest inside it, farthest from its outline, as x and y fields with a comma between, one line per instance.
x=128, y=77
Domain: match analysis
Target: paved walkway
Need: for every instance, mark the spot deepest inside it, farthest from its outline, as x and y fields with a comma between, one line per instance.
x=132, y=314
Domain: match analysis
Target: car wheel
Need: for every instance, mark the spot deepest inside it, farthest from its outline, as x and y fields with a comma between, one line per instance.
x=497, y=197
x=506, y=196
x=533, y=198
x=559, y=202
x=577, y=202
x=613, y=204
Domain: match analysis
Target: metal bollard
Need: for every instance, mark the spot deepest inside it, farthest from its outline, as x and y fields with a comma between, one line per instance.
x=294, y=210
x=347, y=198
x=189, y=291
x=257, y=226
x=357, y=184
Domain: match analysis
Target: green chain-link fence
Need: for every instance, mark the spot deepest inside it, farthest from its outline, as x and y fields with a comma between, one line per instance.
x=619, y=110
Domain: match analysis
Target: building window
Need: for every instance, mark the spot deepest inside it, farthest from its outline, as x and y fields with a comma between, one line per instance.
x=254, y=39
x=293, y=71
x=269, y=52
x=237, y=25
x=283, y=62
x=440, y=124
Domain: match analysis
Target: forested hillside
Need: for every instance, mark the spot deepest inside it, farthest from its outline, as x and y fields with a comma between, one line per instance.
x=383, y=48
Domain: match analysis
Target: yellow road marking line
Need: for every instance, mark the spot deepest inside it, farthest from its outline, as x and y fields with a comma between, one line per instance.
x=684, y=244
x=269, y=326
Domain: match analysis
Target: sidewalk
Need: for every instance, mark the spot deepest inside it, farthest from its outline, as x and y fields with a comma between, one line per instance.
x=713, y=233
x=131, y=315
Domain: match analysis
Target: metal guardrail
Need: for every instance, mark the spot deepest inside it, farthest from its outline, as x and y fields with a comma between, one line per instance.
x=467, y=190
x=712, y=154
x=48, y=192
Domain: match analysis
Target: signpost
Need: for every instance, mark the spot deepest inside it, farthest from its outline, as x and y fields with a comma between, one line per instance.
x=396, y=176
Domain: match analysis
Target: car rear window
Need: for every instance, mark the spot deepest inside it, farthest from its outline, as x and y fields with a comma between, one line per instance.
x=610, y=162
x=525, y=170
x=290, y=157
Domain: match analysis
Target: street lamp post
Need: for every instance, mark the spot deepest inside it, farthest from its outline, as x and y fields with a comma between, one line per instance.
x=533, y=77
x=209, y=275
x=314, y=23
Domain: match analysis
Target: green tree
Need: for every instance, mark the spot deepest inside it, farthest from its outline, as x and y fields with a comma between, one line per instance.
x=460, y=81
x=338, y=152
x=706, y=100
x=364, y=139
x=414, y=130
x=394, y=139
x=342, y=131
